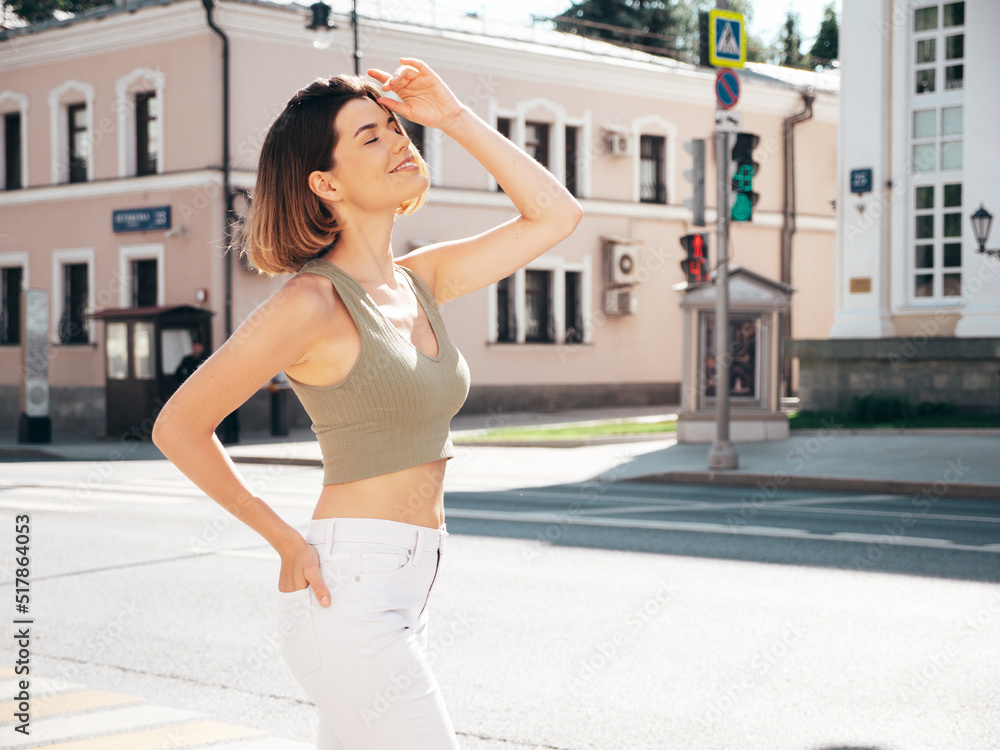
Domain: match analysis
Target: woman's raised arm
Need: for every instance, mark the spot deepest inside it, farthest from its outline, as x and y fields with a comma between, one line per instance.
x=276, y=335
x=548, y=212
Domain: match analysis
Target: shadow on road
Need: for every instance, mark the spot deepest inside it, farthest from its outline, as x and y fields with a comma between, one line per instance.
x=882, y=536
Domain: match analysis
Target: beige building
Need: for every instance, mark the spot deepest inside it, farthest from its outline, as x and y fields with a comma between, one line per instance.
x=114, y=172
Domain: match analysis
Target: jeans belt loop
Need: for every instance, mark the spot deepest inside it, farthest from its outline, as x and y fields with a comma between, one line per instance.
x=420, y=544
x=329, y=536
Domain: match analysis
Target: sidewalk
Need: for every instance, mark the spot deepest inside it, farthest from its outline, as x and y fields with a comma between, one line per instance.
x=961, y=463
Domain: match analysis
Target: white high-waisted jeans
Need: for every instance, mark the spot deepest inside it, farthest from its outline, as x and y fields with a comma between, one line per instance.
x=363, y=659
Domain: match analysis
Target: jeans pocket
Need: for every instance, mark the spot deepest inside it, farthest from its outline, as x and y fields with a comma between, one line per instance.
x=385, y=562
x=298, y=637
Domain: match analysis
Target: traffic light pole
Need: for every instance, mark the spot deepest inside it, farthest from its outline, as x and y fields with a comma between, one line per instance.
x=723, y=454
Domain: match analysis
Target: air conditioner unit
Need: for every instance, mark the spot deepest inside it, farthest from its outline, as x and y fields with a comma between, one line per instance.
x=622, y=301
x=621, y=263
x=617, y=143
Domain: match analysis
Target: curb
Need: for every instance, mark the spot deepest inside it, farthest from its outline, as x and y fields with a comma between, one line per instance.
x=574, y=443
x=841, y=484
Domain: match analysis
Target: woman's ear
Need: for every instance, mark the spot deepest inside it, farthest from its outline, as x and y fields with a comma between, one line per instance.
x=324, y=186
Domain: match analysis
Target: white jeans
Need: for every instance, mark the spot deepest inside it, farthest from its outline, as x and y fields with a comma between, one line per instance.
x=363, y=659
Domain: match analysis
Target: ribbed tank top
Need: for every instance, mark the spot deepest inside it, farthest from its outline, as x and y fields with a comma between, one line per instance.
x=393, y=409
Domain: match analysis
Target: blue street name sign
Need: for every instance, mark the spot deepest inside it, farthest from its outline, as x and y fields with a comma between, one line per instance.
x=861, y=180
x=141, y=219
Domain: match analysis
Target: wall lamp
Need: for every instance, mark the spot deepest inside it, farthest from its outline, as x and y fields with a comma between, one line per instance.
x=981, y=221
x=321, y=26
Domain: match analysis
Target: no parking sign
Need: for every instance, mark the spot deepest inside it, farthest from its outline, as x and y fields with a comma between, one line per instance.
x=727, y=88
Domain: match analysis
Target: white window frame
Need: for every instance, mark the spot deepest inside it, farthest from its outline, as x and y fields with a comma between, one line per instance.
x=655, y=125
x=60, y=98
x=937, y=101
x=558, y=265
x=62, y=258
x=139, y=80
x=128, y=253
x=10, y=102
x=557, y=120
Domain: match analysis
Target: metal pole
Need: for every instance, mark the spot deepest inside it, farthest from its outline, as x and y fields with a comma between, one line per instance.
x=723, y=454
x=357, y=52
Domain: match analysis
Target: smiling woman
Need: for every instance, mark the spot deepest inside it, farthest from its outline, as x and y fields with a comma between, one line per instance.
x=364, y=346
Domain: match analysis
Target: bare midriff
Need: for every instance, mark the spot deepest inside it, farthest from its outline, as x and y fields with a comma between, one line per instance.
x=414, y=495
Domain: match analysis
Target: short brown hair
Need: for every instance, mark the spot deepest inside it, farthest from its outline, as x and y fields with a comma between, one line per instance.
x=287, y=224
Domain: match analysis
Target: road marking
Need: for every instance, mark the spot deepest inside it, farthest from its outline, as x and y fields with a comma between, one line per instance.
x=188, y=734
x=569, y=519
x=104, y=723
x=80, y=700
x=28, y=504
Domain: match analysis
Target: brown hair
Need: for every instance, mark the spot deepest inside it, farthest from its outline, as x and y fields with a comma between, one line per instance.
x=287, y=224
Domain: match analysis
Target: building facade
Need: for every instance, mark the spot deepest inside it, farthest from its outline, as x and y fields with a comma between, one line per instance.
x=918, y=306
x=115, y=192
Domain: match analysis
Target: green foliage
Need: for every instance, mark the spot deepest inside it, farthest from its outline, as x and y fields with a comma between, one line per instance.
x=34, y=11
x=826, y=47
x=639, y=22
x=790, y=43
x=877, y=409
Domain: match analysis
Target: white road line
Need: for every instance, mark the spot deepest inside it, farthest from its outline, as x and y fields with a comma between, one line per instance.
x=100, y=722
x=268, y=743
x=714, y=528
x=28, y=504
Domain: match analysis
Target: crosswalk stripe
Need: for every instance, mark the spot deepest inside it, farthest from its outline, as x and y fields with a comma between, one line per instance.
x=173, y=736
x=65, y=728
x=63, y=703
x=270, y=743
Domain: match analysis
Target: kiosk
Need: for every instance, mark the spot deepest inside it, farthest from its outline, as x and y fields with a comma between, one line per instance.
x=756, y=305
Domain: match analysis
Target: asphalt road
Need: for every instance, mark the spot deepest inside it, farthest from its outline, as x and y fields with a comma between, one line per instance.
x=572, y=613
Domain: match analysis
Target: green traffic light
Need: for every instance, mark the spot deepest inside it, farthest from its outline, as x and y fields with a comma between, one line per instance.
x=742, y=208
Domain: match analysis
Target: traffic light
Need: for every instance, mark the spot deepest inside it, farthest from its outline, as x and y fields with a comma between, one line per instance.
x=744, y=171
x=695, y=263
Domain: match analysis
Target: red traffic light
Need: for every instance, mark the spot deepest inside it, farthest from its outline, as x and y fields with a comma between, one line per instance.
x=695, y=264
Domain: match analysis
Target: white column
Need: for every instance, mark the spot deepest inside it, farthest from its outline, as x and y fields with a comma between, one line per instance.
x=980, y=157
x=863, y=237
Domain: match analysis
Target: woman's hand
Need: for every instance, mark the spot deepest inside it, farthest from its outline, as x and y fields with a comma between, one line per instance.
x=300, y=568
x=425, y=97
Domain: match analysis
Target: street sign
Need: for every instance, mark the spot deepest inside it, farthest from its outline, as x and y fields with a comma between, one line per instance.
x=140, y=219
x=727, y=88
x=727, y=41
x=861, y=180
x=728, y=122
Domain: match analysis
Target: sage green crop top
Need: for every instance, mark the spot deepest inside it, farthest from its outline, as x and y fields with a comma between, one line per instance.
x=393, y=409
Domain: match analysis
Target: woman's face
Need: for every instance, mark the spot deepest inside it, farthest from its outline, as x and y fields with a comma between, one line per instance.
x=374, y=169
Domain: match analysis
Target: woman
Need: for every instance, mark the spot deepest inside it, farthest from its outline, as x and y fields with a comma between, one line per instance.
x=362, y=342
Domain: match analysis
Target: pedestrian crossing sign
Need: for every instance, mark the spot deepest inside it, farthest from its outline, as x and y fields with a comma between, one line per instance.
x=727, y=44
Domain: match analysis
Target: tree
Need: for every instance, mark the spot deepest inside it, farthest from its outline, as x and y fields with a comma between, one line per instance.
x=825, y=49
x=34, y=11
x=642, y=23
x=790, y=43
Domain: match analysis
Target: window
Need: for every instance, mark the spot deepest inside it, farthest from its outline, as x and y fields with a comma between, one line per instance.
x=939, y=48
x=144, y=282
x=78, y=145
x=11, y=281
x=72, y=322
x=503, y=128
x=12, y=151
x=539, y=325
x=147, y=145
x=574, y=308
x=544, y=304
x=937, y=243
x=572, y=149
x=652, y=188
x=506, y=326
x=536, y=141
x=936, y=136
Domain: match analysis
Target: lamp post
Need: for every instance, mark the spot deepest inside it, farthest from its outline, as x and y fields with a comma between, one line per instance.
x=320, y=25
x=981, y=222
